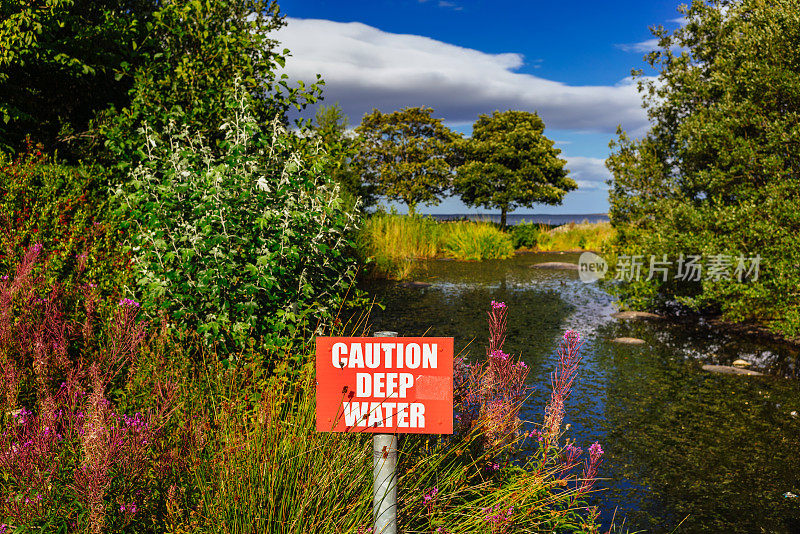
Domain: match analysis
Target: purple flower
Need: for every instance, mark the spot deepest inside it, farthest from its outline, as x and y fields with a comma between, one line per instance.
x=129, y=302
x=498, y=305
x=499, y=354
x=595, y=450
x=431, y=495
x=572, y=334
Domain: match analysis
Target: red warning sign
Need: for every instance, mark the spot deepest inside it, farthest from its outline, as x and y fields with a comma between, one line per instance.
x=385, y=384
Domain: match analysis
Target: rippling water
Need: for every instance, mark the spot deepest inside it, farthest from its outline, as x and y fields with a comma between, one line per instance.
x=708, y=452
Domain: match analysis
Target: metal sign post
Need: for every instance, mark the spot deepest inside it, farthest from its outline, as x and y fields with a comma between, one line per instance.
x=384, y=477
x=385, y=385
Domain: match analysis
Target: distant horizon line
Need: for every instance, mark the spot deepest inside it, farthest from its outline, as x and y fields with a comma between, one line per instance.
x=515, y=213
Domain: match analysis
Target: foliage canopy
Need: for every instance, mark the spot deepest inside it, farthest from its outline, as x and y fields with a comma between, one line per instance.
x=407, y=155
x=719, y=171
x=509, y=163
x=61, y=61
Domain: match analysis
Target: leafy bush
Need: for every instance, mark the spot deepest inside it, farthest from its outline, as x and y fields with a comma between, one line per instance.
x=525, y=234
x=67, y=210
x=718, y=172
x=237, y=244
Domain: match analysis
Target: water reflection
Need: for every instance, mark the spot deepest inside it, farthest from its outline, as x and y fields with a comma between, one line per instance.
x=714, y=452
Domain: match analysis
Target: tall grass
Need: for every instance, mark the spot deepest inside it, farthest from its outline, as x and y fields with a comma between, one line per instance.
x=109, y=426
x=475, y=241
x=393, y=242
x=569, y=237
x=272, y=472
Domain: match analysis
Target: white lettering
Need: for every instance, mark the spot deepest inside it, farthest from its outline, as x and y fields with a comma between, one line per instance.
x=402, y=414
x=373, y=355
x=355, y=413
x=375, y=414
x=390, y=407
x=406, y=381
x=388, y=348
x=412, y=355
x=356, y=356
x=417, y=415
x=429, y=355
x=391, y=384
x=363, y=384
x=377, y=389
x=336, y=355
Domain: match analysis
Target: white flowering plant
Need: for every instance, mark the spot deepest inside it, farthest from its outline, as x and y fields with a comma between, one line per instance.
x=242, y=240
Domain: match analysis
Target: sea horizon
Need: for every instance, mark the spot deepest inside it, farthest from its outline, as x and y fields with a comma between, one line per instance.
x=512, y=219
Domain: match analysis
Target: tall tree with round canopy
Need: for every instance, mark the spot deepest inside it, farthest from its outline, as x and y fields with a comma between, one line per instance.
x=509, y=163
x=407, y=155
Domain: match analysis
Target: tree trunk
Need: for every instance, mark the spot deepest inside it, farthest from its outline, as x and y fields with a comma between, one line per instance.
x=503, y=212
x=412, y=209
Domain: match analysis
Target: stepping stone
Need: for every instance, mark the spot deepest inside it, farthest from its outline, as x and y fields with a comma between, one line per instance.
x=628, y=340
x=635, y=315
x=730, y=370
x=556, y=265
x=741, y=363
x=418, y=285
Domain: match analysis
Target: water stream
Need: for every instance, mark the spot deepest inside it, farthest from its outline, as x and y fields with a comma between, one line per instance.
x=685, y=450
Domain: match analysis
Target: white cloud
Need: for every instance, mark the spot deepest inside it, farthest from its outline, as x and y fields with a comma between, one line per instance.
x=366, y=68
x=589, y=173
x=453, y=5
x=651, y=44
x=642, y=46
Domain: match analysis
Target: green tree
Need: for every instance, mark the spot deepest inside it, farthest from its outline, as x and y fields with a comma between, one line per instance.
x=407, y=155
x=509, y=163
x=61, y=61
x=200, y=48
x=330, y=126
x=718, y=173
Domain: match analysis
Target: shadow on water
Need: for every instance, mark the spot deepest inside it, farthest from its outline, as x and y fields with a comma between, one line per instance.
x=717, y=452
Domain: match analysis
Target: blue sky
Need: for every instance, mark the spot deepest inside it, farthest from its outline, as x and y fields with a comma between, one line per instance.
x=568, y=61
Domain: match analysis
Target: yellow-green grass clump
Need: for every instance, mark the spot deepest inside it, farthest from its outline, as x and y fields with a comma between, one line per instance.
x=568, y=237
x=392, y=242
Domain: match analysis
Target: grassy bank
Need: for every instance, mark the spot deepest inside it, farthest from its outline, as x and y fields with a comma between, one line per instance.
x=393, y=242
x=569, y=237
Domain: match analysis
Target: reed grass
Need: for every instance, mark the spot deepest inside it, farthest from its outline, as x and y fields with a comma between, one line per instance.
x=277, y=474
x=569, y=237
x=391, y=243
x=473, y=241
